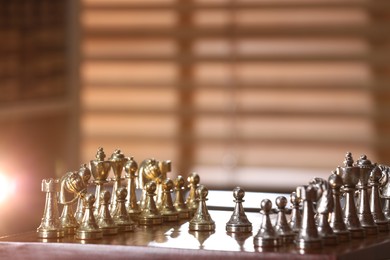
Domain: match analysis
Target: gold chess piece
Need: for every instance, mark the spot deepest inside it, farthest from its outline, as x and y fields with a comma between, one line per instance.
x=238, y=222
x=193, y=183
x=104, y=219
x=167, y=210
x=85, y=174
x=181, y=207
x=282, y=228
x=117, y=161
x=88, y=228
x=165, y=167
x=150, y=215
x=132, y=206
x=266, y=236
x=68, y=221
x=202, y=220
x=148, y=171
x=50, y=226
x=120, y=215
x=100, y=169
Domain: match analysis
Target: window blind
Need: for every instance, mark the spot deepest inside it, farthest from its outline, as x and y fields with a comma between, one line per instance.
x=266, y=94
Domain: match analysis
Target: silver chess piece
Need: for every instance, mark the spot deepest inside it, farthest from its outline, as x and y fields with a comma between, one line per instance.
x=325, y=205
x=266, y=236
x=364, y=212
x=88, y=228
x=117, y=162
x=296, y=216
x=132, y=206
x=350, y=176
x=375, y=202
x=50, y=226
x=308, y=237
x=180, y=205
x=238, y=222
x=202, y=220
x=336, y=216
x=385, y=189
x=282, y=228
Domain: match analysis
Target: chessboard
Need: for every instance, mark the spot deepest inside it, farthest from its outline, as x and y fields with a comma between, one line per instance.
x=169, y=241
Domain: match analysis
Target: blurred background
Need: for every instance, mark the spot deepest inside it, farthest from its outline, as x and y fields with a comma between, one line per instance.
x=265, y=94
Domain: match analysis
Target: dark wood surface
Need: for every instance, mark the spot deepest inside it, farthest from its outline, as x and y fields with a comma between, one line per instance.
x=172, y=241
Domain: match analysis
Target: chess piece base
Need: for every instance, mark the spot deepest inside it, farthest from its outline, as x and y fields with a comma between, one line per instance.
x=266, y=242
x=109, y=231
x=134, y=216
x=184, y=215
x=202, y=226
x=89, y=235
x=68, y=231
x=371, y=230
x=150, y=221
x=330, y=240
x=125, y=227
x=383, y=226
x=238, y=229
x=343, y=236
x=170, y=217
x=55, y=233
x=287, y=239
x=309, y=244
x=357, y=233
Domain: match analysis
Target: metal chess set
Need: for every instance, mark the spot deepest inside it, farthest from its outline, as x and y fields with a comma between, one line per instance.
x=324, y=212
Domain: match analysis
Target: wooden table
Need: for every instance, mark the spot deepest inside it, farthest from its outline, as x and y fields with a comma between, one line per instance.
x=175, y=241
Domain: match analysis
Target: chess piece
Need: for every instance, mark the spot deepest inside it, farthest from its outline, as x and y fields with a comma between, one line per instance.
x=375, y=202
x=117, y=162
x=165, y=167
x=181, y=207
x=238, y=222
x=132, y=206
x=193, y=182
x=296, y=216
x=50, y=226
x=68, y=222
x=88, y=228
x=308, y=237
x=120, y=215
x=364, y=212
x=324, y=207
x=202, y=220
x=282, y=228
x=100, y=170
x=350, y=177
x=266, y=236
x=336, y=216
x=148, y=171
x=104, y=220
x=167, y=210
x=149, y=214
x=385, y=189
x=85, y=174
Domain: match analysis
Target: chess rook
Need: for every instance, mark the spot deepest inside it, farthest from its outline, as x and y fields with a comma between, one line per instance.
x=202, y=220
x=238, y=222
x=266, y=236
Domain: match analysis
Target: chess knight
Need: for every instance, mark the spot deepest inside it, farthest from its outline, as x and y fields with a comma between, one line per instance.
x=385, y=188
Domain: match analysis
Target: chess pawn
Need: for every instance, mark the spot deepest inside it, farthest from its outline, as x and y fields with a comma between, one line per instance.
x=266, y=236
x=165, y=167
x=364, y=212
x=100, y=170
x=167, y=210
x=117, y=161
x=308, y=237
x=104, y=219
x=132, y=206
x=375, y=202
x=238, y=222
x=193, y=182
x=350, y=177
x=282, y=228
x=85, y=174
x=50, y=226
x=149, y=214
x=88, y=228
x=181, y=207
x=68, y=222
x=202, y=220
x=336, y=216
x=324, y=206
x=296, y=216
x=148, y=171
x=120, y=215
